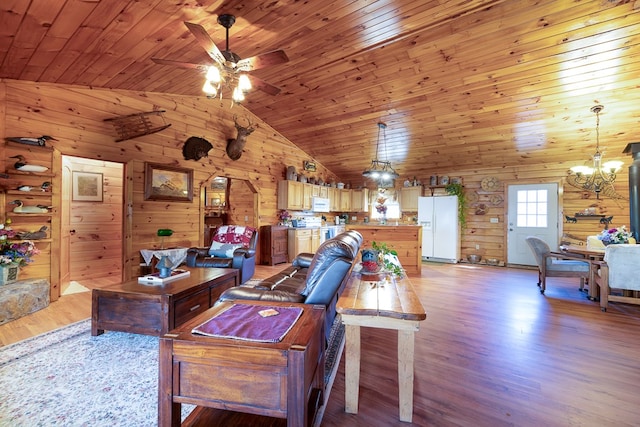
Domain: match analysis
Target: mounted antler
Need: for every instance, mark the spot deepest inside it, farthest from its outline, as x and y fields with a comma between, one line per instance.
x=235, y=146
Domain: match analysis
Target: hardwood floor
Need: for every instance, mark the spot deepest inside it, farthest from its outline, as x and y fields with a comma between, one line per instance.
x=492, y=352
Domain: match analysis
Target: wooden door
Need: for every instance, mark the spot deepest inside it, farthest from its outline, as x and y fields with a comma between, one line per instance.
x=65, y=229
x=95, y=227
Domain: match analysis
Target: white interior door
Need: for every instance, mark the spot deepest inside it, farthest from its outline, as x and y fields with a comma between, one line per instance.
x=532, y=211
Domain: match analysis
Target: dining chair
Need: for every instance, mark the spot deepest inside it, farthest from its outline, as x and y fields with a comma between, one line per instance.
x=617, y=275
x=556, y=264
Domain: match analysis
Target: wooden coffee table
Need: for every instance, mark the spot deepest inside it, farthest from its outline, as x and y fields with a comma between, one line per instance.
x=243, y=383
x=157, y=309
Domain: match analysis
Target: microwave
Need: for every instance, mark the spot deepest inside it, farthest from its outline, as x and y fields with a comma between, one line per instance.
x=320, y=204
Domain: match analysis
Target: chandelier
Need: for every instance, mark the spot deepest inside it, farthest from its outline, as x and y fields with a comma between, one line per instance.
x=598, y=177
x=380, y=170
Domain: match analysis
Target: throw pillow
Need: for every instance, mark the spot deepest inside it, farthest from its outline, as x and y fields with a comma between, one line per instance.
x=234, y=234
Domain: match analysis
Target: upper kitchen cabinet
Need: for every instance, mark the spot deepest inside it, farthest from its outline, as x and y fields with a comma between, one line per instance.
x=290, y=195
x=334, y=199
x=345, y=200
x=308, y=191
x=409, y=198
x=359, y=200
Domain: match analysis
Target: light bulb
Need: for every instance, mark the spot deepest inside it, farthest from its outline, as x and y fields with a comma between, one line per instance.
x=209, y=89
x=213, y=74
x=237, y=96
x=612, y=166
x=244, y=83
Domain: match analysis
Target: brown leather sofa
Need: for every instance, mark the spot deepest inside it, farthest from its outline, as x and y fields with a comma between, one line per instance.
x=312, y=278
x=232, y=247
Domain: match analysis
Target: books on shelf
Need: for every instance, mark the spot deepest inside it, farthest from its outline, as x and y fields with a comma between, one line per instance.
x=155, y=279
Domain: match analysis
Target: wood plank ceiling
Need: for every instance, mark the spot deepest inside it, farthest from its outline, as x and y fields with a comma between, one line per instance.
x=461, y=85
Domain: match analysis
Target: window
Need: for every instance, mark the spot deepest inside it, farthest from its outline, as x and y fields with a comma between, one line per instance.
x=391, y=202
x=532, y=208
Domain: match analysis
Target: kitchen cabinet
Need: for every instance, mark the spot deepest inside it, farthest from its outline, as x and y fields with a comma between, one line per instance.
x=334, y=199
x=345, y=200
x=290, y=195
x=360, y=200
x=307, y=194
x=409, y=198
x=274, y=244
x=323, y=191
x=303, y=240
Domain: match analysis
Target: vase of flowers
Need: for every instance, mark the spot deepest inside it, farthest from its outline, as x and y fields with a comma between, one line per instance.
x=381, y=208
x=615, y=236
x=14, y=255
x=284, y=217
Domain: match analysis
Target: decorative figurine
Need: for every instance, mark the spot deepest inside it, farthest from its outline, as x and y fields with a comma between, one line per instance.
x=22, y=165
x=164, y=267
x=28, y=209
x=32, y=141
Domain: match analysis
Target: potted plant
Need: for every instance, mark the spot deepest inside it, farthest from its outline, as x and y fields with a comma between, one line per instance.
x=389, y=258
x=457, y=190
x=13, y=255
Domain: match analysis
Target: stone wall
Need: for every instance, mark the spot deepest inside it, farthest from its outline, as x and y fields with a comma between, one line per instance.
x=23, y=297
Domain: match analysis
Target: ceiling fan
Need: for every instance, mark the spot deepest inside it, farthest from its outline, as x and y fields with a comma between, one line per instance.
x=231, y=67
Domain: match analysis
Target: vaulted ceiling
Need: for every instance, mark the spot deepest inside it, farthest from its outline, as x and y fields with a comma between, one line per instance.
x=460, y=84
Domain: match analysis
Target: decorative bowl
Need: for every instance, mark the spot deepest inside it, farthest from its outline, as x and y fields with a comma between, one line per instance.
x=474, y=258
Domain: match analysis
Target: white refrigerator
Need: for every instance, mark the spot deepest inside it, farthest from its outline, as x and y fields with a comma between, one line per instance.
x=438, y=217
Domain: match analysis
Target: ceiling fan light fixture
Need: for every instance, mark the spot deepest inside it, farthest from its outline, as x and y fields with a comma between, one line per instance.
x=599, y=176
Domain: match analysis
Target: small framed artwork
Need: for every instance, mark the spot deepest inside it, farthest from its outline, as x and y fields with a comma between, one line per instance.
x=86, y=187
x=162, y=182
x=309, y=166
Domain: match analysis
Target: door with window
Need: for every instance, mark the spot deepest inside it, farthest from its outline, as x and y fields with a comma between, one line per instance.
x=533, y=211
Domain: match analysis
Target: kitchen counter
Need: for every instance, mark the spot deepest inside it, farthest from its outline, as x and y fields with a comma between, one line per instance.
x=406, y=239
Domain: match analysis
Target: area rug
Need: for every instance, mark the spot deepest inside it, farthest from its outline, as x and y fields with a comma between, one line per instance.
x=67, y=377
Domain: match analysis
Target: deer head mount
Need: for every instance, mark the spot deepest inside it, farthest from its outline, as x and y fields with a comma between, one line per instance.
x=235, y=146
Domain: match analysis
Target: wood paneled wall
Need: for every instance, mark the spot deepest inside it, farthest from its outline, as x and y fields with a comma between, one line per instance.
x=75, y=116
x=492, y=238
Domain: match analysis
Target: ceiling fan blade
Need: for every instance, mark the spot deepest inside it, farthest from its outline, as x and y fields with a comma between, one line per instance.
x=263, y=60
x=201, y=67
x=258, y=83
x=205, y=41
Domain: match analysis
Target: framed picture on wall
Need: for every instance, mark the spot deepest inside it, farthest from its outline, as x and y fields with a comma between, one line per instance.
x=86, y=187
x=162, y=182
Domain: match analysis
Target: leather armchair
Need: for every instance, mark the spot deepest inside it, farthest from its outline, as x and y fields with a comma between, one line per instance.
x=242, y=258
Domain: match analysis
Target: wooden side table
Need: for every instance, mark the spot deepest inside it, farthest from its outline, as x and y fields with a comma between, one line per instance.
x=380, y=301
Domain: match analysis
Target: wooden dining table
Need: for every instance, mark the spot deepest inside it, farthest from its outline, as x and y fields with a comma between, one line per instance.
x=591, y=254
